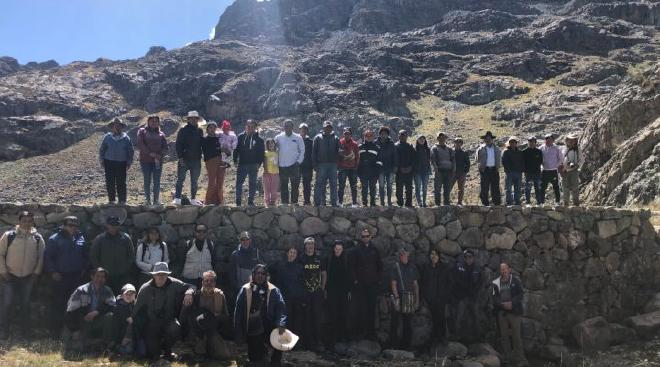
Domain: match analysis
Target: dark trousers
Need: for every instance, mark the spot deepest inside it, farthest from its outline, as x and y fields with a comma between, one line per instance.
x=406, y=333
x=550, y=177
x=438, y=316
x=100, y=326
x=295, y=314
x=62, y=290
x=195, y=168
x=248, y=171
x=151, y=173
x=490, y=181
x=257, y=349
x=115, y=180
x=385, y=187
x=313, y=311
x=16, y=291
x=325, y=173
x=365, y=297
x=466, y=318
x=368, y=189
x=512, y=183
x=351, y=175
x=337, y=316
x=160, y=336
x=442, y=186
x=115, y=282
x=307, y=174
x=533, y=179
x=404, y=181
x=289, y=174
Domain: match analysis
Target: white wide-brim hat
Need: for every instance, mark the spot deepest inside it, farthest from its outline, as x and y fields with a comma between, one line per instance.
x=284, y=342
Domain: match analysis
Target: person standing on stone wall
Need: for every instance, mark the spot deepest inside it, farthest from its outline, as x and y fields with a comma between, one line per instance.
x=228, y=142
x=444, y=165
x=366, y=272
x=113, y=250
x=571, y=178
x=338, y=293
x=422, y=170
x=489, y=160
x=248, y=156
x=306, y=168
x=116, y=156
x=324, y=159
x=462, y=168
x=369, y=168
x=465, y=293
x=288, y=276
x=21, y=262
x=553, y=161
x=212, y=160
x=388, y=158
x=349, y=158
x=533, y=161
x=405, y=172
x=65, y=259
x=271, y=175
x=200, y=256
x=291, y=155
x=315, y=278
x=189, y=151
x=436, y=284
x=151, y=250
x=507, y=302
x=405, y=292
x=513, y=162
x=152, y=145
x=242, y=261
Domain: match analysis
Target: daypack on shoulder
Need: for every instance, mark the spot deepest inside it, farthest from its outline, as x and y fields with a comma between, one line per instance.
x=11, y=236
x=162, y=250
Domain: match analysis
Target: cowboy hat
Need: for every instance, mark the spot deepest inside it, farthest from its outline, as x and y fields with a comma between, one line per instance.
x=160, y=268
x=193, y=114
x=513, y=138
x=488, y=134
x=571, y=137
x=284, y=342
x=118, y=121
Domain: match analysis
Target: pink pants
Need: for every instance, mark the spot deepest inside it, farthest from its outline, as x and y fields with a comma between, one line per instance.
x=271, y=183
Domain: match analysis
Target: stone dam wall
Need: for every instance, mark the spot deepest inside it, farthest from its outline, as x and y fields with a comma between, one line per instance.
x=575, y=263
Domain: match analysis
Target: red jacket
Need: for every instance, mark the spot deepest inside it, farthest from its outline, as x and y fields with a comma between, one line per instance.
x=349, y=154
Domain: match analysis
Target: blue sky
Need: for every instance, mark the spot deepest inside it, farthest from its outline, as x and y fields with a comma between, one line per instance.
x=70, y=30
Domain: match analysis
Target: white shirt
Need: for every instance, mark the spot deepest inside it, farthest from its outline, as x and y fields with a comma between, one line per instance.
x=291, y=149
x=490, y=156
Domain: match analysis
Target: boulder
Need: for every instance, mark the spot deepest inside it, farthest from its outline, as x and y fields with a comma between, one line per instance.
x=340, y=225
x=646, y=325
x=408, y=232
x=183, y=215
x=146, y=220
x=404, y=216
x=516, y=221
x=500, y=238
x=386, y=228
x=425, y=217
x=451, y=350
x=213, y=217
x=398, y=355
x=554, y=352
x=621, y=334
x=593, y=334
x=313, y=226
x=263, y=220
x=241, y=221
x=454, y=229
x=471, y=237
x=436, y=234
x=363, y=348
x=653, y=304
x=533, y=279
x=288, y=223
x=488, y=360
x=607, y=228
x=451, y=248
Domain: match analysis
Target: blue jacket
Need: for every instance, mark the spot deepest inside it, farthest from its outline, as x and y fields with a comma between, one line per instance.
x=275, y=309
x=66, y=254
x=114, y=149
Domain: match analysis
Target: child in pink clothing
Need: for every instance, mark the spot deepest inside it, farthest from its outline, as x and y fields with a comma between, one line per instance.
x=271, y=178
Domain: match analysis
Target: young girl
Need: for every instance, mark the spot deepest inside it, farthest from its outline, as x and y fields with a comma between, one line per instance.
x=271, y=179
x=151, y=250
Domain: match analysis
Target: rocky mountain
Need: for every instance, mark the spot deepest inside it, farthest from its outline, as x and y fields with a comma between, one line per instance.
x=462, y=66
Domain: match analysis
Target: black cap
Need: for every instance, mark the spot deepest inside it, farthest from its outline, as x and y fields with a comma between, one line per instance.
x=113, y=221
x=468, y=252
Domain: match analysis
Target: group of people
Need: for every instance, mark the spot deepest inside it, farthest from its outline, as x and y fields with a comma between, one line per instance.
x=291, y=157
x=325, y=300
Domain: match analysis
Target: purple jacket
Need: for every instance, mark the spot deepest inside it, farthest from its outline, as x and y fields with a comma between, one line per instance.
x=151, y=141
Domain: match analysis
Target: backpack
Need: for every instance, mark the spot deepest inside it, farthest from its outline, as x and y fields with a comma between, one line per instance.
x=11, y=236
x=162, y=250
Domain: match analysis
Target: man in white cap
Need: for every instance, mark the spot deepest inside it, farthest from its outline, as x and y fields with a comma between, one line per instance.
x=571, y=177
x=157, y=308
x=189, y=151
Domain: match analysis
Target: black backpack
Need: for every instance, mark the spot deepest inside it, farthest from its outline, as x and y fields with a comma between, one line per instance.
x=11, y=236
x=162, y=251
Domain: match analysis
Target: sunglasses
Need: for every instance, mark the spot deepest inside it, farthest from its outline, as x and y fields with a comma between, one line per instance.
x=366, y=236
x=260, y=273
x=245, y=239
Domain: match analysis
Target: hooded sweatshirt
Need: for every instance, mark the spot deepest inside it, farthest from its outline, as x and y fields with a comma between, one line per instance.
x=249, y=149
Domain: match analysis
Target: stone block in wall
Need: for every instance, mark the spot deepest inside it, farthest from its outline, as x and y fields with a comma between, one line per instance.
x=288, y=240
x=470, y=219
x=471, y=237
x=594, y=268
x=326, y=212
x=436, y=234
x=103, y=213
x=454, y=229
x=287, y=223
x=241, y=221
x=653, y=304
x=621, y=334
x=495, y=217
x=274, y=232
x=182, y=215
x=545, y=240
x=533, y=334
x=384, y=245
x=404, y=216
x=185, y=230
x=340, y=225
x=146, y=220
x=500, y=238
x=313, y=226
x=646, y=325
x=425, y=217
x=386, y=228
x=263, y=220
x=225, y=235
x=533, y=279
x=56, y=217
x=516, y=221
x=449, y=247
x=212, y=217
x=607, y=228
x=612, y=262
x=422, y=245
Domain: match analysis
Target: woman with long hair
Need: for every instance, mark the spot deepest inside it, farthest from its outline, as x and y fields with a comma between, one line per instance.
x=151, y=250
x=152, y=144
x=423, y=170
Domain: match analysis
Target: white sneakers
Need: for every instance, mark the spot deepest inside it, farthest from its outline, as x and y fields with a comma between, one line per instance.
x=176, y=202
x=196, y=202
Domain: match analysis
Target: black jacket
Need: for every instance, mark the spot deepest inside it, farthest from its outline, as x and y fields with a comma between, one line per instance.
x=307, y=161
x=387, y=155
x=423, y=160
x=369, y=159
x=462, y=161
x=406, y=157
x=516, y=296
x=366, y=265
x=339, y=279
x=189, y=143
x=513, y=160
x=210, y=147
x=533, y=158
x=325, y=149
x=436, y=283
x=249, y=149
x=467, y=280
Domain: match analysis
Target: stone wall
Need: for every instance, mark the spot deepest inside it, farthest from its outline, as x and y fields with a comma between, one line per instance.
x=575, y=263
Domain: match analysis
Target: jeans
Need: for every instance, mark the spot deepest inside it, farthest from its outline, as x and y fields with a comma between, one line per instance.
x=442, y=185
x=151, y=173
x=325, y=172
x=115, y=180
x=404, y=182
x=307, y=174
x=16, y=292
x=550, y=177
x=195, y=168
x=490, y=180
x=571, y=187
x=351, y=174
x=160, y=335
x=249, y=171
x=421, y=188
x=385, y=178
x=512, y=180
x=460, y=180
x=533, y=179
x=368, y=183
x=289, y=174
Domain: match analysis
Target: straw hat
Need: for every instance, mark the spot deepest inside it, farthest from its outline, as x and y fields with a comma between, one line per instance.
x=284, y=342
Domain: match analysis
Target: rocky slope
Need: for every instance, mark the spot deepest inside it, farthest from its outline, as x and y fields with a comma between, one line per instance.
x=514, y=67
